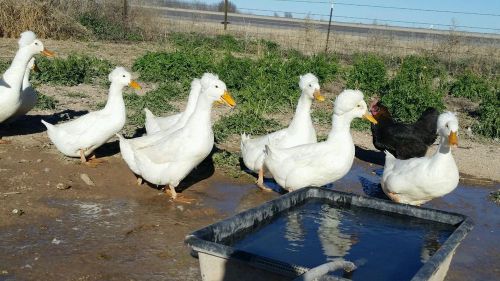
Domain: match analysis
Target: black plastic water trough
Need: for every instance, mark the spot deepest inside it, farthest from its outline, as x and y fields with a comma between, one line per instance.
x=220, y=261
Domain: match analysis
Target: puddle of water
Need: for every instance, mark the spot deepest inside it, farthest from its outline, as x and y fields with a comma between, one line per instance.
x=317, y=232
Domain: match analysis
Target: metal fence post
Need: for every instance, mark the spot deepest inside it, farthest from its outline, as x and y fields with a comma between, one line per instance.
x=225, y=14
x=329, y=27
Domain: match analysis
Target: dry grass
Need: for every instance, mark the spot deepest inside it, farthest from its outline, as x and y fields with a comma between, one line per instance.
x=310, y=40
x=41, y=17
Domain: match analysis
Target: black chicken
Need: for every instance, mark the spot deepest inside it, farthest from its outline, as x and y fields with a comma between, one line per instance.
x=404, y=141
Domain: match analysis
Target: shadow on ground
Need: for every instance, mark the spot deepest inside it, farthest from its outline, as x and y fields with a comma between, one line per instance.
x=31, y=124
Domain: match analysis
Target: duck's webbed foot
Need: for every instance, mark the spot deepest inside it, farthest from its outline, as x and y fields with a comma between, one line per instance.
x=139, y=181
x=394, y=197
x=92, y=161
x=2, y=141
x=178, y=197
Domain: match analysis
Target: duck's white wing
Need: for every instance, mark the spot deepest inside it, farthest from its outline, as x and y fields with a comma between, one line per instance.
x=404, y=174
x=82, y=124
x=166, y=150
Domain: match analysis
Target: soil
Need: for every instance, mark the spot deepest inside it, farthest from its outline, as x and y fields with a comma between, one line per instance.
x=65, y=229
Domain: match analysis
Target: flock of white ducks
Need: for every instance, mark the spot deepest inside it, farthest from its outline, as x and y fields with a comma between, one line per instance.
x=174, y=145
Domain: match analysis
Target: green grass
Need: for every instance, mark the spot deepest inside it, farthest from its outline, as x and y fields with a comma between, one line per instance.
x=71, y=71
x=243, y=122
x=104, y=29
x=46, y=102
x=368, y=74
x=158, y=101
x=229, y=162
x=226, y=43
x=418, y=84
x=470, y=86
x=495, y=196
x=322, y=117
x=489, y=115
x=77, y=95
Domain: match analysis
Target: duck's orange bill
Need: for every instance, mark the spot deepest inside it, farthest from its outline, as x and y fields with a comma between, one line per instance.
x=453, y=139
x=228, y=99
x=317, y=96
x=134, y=85
x=370, y=118
x=48, y=53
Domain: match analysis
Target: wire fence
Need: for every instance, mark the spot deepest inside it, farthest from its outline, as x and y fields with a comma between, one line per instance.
x=308, y=32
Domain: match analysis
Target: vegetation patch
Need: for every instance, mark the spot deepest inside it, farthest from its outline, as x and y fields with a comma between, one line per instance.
x=470, y=86
x=71, y=71
x=229, y=162
x=105, y=29
x=158, y=101
x=418, y=84
x=489, y=116
x=243, y=122
x=45, y=102
x=176, y=66
x=368, y=74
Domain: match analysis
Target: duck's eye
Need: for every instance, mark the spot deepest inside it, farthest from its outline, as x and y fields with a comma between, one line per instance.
x=216, y=86
x=359, y=105
x=36, y=43
x=310, y=85
x=123, y=75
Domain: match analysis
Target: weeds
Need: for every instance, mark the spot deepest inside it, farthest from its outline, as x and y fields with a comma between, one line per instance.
x=243, y=122
x=495, y=196
x=489, y=116
x=175, y=66
x=158, y=101
x=105, y=29
x=229, y=162
x=73, y=70
x=416, y=86
x=367, y=74
x=45, y=102
x=470, y=86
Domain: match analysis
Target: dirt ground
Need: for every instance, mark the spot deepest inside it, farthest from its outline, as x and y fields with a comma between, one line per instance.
x=115, y=230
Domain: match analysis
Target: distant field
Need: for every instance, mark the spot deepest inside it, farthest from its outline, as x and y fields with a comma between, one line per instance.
x=309, y=36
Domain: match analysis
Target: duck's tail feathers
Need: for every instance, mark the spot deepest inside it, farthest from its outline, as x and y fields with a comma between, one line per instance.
x=389, y=160
x=48, y=125
x=149, y=114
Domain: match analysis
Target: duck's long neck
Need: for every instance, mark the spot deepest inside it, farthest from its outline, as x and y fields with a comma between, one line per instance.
x=201, y=116
x=341, y=126
x=191, y=105
x=13, y=76
x=26, y=78
x=444, y=150
x=302, y=115
x=115, y=98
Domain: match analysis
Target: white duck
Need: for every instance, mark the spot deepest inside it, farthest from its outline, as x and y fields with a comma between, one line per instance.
x=80, y=137
x=28, y=94
x=300, y=131
x=320, y=163
x=127, y=146
x=170, y=160
x=11, y=82
x=155, y=124
x=417, y=180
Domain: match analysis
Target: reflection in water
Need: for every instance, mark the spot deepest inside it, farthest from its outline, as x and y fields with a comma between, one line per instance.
x=333, y=242
x=432, y=242
x=295, y=232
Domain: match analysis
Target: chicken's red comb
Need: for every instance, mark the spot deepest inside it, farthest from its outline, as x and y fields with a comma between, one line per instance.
x=374, y=102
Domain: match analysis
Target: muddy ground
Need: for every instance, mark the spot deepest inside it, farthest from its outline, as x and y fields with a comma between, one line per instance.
x=115, y=230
